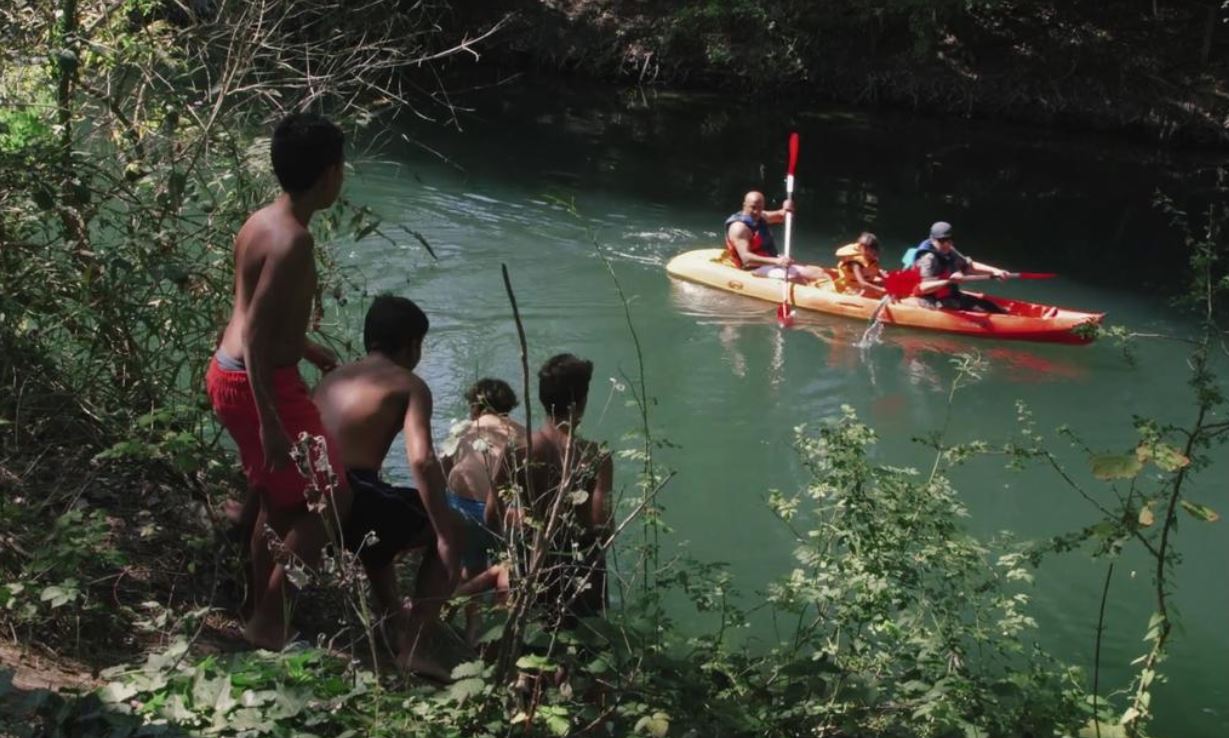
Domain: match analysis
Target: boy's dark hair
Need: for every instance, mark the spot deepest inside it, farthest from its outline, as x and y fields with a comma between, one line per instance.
x=563, y=384
x=869, y=239
x=491, y=395
x=392, y=324
x=304, y=146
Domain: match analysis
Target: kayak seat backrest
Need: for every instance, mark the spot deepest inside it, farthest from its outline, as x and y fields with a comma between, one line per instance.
x=910, y=256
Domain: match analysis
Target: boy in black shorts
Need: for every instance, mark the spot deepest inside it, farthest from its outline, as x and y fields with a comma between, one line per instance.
x=364, y=404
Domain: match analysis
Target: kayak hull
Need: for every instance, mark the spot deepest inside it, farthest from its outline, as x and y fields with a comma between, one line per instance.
x=1024, y=321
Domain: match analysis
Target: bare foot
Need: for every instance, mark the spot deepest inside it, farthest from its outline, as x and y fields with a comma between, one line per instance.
x=418, y=653
x=270, y=639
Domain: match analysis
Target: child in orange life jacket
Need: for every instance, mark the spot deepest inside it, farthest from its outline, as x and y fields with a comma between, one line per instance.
x=858, y=264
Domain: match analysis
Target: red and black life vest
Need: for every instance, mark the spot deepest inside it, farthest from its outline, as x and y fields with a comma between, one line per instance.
x=947, y=267
x=762, y=243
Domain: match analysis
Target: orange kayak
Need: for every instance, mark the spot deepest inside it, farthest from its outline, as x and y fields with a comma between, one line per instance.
x=1023, y=321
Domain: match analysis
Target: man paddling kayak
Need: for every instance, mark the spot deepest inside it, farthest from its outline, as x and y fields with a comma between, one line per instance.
x=750, y=246
x=941, y=267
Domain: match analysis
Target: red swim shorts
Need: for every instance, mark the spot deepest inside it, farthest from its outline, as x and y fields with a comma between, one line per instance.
x=234, y=404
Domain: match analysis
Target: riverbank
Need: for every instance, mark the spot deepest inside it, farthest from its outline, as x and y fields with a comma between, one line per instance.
x=1146, y=71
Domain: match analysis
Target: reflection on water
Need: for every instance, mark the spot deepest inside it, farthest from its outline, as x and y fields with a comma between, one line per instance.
x=919, y=353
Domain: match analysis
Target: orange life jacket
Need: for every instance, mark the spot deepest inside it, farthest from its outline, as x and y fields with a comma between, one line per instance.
x=855, y=253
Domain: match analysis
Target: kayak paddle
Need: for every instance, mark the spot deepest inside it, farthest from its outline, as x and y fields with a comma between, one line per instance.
x=1009, y=275
x=785, y=313
x=901, y=283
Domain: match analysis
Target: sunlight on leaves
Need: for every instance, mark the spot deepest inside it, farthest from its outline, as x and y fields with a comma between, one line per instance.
x=1116, y=466
x=1202, y=512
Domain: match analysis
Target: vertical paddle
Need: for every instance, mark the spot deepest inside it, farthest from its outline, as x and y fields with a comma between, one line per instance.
x=785, y=313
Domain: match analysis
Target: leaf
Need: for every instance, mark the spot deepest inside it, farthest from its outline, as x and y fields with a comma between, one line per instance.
x=117, y=692
x=1128, y=717
x=493, y=634
x=60, y=595
x=558, y=724
x=288, y=702
x=1104, y=730
x=463, y=689
x=1163, y=455
x=468, y=669
x=1146, y=518
x=176, y=711
x=533, y=661
x=656, y=725
x=1116, y=466
x=578, y=496
x=1202, y=512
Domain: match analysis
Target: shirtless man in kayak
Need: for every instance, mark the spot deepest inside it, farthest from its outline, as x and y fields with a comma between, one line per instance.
x=941, y=268
x=750, y=246
x=364, y=404
x=253, y=379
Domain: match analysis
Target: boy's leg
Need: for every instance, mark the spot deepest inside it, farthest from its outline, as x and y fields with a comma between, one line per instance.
x=242, y=517
x=260, y=564
x=305, y=538
x=494, y=578
x=390, y=607
x=415, y=651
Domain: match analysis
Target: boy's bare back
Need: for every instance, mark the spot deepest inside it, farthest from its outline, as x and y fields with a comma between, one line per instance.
x=274, y=259
x=570, y=464
x=479, y=451
x=364, y=405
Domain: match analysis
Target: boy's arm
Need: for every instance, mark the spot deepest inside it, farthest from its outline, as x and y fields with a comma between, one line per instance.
x=493, y=515
x=511, y=457
x=320, y=355
x=979, y=268
x=428, y=476
x=267, y=313
x=600, y=508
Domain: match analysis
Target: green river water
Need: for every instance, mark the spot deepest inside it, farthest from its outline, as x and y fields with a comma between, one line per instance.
x=653, y=174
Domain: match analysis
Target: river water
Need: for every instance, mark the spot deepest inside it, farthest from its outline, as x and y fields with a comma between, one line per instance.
x=651, y=174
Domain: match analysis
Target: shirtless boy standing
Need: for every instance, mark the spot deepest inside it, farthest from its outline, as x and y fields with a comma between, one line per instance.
x=253, y=380
x=364, y=405
x=562, y=463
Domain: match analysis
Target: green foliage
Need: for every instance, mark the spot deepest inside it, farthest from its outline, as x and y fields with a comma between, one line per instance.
x=904, y=607
x=49, y=581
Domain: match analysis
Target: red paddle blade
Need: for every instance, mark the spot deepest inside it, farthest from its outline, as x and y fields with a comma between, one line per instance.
x=901, y=283
x=1036, y=275
x=793, y=152
x=785, y=315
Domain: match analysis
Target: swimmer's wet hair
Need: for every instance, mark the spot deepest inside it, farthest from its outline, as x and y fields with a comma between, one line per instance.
x=563, y=385
x=491, y=395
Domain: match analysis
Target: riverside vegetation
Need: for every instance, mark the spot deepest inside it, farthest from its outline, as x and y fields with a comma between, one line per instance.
x=128, y=159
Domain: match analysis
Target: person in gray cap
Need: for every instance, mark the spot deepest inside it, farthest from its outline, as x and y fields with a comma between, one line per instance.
x=942, y=267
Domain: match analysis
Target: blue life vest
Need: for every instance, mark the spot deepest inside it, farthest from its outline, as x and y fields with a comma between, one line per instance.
x=762, y=242
x=947, y=265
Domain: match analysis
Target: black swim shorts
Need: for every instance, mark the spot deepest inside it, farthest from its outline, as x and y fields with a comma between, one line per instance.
x=394, y=514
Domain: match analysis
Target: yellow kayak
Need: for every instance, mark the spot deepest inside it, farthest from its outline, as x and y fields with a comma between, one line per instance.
x=1022, y=321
